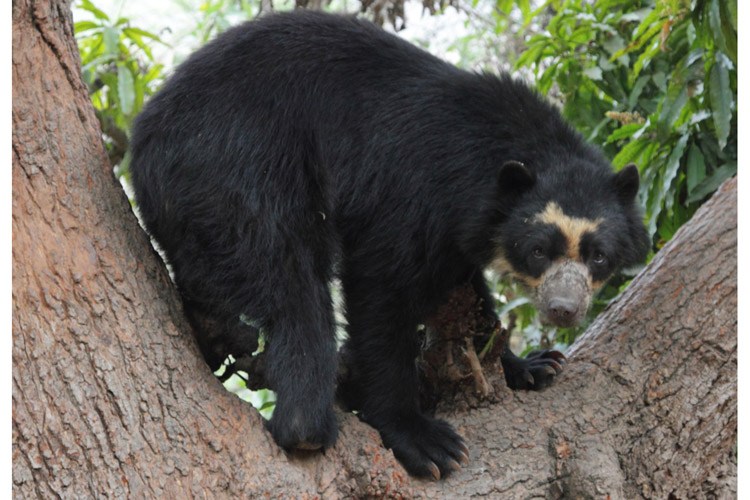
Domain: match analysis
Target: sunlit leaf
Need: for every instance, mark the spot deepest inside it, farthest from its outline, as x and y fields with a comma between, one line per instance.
x=649, y=19
x=513, y=304
x=651, y=34
x=673, y=104
x=143, y=33
x=721, y=101
x=645, y=58
x=125, y=89
x=153, y=73
x=82, y=26
x=111, y=40
x=629, y=153
x=624, y=132
x=136, y=39
x=88, y=6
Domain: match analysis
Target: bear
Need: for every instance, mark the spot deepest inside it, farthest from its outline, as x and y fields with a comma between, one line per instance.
x=304, y=147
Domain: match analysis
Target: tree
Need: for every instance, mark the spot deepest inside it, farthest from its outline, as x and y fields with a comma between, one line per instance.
x=111, y=397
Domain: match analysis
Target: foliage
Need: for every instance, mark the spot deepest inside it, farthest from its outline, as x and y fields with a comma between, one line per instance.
x=119, y=69
x=214, y=16
x=652, y=82
x=263, y=400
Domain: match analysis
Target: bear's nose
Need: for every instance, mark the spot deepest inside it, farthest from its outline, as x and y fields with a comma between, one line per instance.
x=562, y=311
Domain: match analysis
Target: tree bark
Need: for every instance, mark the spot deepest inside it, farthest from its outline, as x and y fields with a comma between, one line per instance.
x=647, y=405
x=112, y=399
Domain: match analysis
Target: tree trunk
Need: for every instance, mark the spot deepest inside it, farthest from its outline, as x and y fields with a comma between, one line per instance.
x=112, y=398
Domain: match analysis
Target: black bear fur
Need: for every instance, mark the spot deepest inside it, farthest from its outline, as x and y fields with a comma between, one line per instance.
x=306, y=146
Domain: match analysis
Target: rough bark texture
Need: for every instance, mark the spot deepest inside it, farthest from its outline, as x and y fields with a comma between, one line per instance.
x=110, y=395
x=647, y=406
x=112, y=399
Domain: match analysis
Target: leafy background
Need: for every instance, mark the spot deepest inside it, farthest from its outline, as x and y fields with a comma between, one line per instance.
x=651, y=82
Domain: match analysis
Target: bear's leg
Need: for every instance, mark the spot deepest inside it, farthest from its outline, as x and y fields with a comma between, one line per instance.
x=302, y=363
x=538, y=369
x=220, y=334
x=383, y=386
x=280, y=281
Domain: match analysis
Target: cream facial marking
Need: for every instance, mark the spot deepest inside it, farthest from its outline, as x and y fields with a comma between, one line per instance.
x=573, y=228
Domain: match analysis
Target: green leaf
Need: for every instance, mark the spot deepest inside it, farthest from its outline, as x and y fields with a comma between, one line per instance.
x=111, y=41
x=615, y=86
x=97, y=62
x=652, y=199
x=525, y=7
x=125, y=89
x=693, y=57
x=673, y=104
x=673, y=163
x=648, y=169
x=714, y=21
x=721, y=101
x=710, y=149
x=153, y=73
x=82, y=26
x=87, y=5
x=136, y=39
x=143, y=33
x=731, y=6
x=629, y=153
x=544, y=83
x=649, y=19
x=624, y=132
x=595, y=131
x=712, y=183
x=696, y=168
x=645, y=58
x=670, y=172
x=638, y=87
x=667, y=228
x=267, y=405
x=639, y=42
x=513, y=304
x=660, y=80
x=532, y=54
x=729, y=28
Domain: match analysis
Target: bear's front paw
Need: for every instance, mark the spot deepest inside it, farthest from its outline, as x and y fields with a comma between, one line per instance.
x=425, y=446
x=535, y=372
x=303, y=428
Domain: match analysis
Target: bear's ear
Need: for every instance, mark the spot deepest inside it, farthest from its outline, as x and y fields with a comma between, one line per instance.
x=515, y=177
x=626, y=183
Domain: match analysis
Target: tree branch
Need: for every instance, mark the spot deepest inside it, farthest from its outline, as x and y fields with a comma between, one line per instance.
x=111, y=396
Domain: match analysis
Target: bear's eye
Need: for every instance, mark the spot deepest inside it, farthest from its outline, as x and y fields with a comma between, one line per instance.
x=537, y=253
x=599, y=259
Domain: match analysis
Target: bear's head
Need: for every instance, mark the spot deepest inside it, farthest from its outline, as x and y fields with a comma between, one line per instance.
x=568, y=231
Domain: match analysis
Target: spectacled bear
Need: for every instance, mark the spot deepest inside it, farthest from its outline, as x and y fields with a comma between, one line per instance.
x=303, y=147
